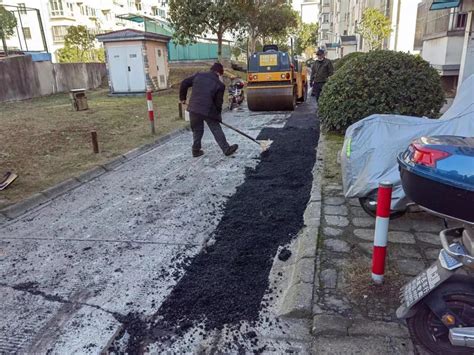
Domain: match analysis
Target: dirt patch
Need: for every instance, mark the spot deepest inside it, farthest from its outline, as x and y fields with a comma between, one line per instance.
x=226, y=282
x=374, y=301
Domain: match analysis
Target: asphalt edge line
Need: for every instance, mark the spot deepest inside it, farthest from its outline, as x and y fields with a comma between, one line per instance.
x=11, y=212
x=297, y=300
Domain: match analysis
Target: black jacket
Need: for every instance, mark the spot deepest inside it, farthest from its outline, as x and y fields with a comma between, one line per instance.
x=321, y=71
x=207, y=96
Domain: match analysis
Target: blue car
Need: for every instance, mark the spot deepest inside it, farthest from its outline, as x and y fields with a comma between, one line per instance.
x=437, y=173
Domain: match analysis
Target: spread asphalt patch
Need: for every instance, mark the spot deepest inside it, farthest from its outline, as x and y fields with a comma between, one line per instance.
x=225, y=283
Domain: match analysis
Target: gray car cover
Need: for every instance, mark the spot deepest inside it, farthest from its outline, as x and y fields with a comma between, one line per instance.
x=371, y=146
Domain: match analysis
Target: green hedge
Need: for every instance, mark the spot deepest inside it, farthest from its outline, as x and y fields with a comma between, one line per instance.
x=380, y=82
x=338, y=63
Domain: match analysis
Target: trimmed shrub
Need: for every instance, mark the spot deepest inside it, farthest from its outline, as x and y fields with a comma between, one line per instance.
x=338, y=63
x=380, y=82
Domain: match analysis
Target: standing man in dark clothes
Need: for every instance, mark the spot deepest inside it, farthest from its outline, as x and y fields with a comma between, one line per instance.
x=321, y=70
x=206, y=105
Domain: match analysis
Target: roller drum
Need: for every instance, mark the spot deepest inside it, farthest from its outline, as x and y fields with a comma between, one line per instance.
x=271, y=99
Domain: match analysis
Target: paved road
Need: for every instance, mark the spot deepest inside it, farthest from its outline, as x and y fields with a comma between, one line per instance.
x=72, y=270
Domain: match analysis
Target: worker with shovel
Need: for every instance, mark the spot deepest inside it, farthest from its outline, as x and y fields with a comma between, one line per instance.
x=205, y=105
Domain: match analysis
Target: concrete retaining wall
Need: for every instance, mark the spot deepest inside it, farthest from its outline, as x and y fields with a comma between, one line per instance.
x=22, y=78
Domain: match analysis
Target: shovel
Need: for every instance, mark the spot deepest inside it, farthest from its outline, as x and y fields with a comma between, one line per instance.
x=264, y=144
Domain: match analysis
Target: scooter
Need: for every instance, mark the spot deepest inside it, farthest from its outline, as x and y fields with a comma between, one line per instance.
x=236, y=93
x=437, y=173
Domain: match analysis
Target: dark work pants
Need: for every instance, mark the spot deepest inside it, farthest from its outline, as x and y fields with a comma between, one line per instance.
x=317, y=88
x=197, y=126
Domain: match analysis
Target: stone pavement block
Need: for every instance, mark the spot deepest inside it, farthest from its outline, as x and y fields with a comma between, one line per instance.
x=303, y=271
x=332, y=232
x=410, y=267
x=401, y=237
x=363, y=222
x=430, y=238
x=337, y=221
x=312, y=214
x=366, y=234
x=334, y=201
x=61, y=188
x=114, y=163
x=371, y=327
x=297, y=302
x=336, y=245
x=354, y=202
x=336, y=210
x=336, y=303
x=324, y=324
x=400, y=224
x=329, y=278
x=307, y=243
x=432, y=254
x=366, y=345
x=27, y=204
x=359, y=212
x=428, y=224
x=91, y=174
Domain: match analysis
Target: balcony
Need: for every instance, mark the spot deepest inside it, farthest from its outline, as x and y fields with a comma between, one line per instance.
x=325, y=26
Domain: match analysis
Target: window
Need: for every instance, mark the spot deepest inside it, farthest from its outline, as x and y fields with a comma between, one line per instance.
x=58, y=33
x=460, y=21
x=138, y=5
x=70, y=7
x=22, y=8
x=56, y=8
x=27, y=32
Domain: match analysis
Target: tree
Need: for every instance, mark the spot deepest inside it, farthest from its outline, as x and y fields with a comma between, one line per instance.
x=7, y=26
x=266, y=20
x=193, y=18
x=79, y=47
x=307, y=36
x=374, y=28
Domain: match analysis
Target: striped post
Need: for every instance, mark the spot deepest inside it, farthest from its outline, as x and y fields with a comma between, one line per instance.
x=384, y=198
x=151, y=114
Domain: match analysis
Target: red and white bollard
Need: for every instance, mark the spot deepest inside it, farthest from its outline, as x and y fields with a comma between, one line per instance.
x=151, y=113
x=384, y=198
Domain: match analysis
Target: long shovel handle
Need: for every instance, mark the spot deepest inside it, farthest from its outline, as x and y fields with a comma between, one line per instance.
x=240, y=132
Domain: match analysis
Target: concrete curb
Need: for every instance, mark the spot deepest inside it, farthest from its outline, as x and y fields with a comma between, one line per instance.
x=298, y=298
x=13, y=211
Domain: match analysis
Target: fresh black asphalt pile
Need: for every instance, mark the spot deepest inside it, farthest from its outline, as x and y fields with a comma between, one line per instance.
x=226, y=282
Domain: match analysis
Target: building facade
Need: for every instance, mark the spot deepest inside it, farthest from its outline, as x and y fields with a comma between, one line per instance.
x=308, y=10
x=98, y=16
x=444, y=35
x=339, y=20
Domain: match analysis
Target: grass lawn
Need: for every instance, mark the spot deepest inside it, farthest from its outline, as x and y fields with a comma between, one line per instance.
x=45, y=141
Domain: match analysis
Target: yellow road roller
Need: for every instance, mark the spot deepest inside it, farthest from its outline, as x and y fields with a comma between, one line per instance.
x=276, y=81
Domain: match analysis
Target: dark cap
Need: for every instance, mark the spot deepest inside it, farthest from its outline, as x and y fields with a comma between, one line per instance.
x=320, y=52
x=218, y=68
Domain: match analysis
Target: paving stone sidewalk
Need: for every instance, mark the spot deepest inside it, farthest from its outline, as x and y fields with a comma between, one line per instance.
x=350, y=314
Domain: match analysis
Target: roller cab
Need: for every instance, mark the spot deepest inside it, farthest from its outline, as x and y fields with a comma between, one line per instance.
x=276, y=81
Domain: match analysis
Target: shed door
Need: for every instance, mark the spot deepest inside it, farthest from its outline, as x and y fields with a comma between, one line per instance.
x=136, y=70
x=117, y=57
x=160, y=67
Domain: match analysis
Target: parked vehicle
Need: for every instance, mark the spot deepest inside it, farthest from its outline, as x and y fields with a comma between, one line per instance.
x=437, y=173
x=236, y=93
x=371, y=147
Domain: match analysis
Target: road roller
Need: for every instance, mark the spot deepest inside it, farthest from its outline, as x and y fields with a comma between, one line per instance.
x=276, y=80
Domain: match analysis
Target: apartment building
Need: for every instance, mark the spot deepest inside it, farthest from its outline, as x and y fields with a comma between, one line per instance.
x=339, y=20
x=308, y=10
x=98, y=16
x=444, y=35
